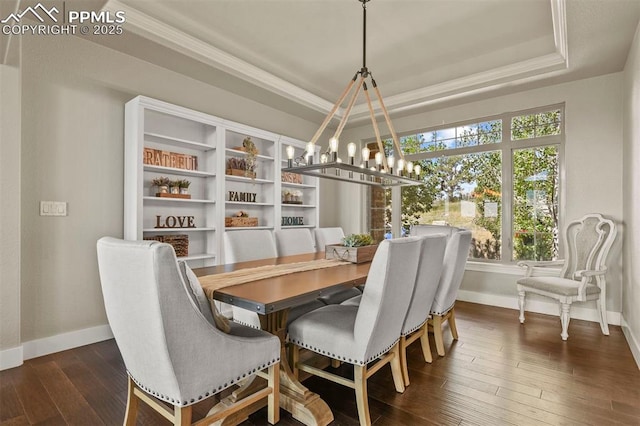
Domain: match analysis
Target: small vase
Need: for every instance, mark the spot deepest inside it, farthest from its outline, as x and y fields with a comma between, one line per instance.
x=175, y=190
x=184, y=190
x=163, y=189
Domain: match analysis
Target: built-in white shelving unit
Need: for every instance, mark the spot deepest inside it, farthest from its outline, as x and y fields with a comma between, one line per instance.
x=155, y=125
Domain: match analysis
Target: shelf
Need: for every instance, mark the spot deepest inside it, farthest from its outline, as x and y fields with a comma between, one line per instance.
x=156, y=137
x=242, y=153
x=178, y=200
x=175, y=171
x=177, y=230
x=198, y=256
x=238, y=228
x=246, y=179
x=247, y=203
x=298, y=185
x=295, y=206
x=298, y=226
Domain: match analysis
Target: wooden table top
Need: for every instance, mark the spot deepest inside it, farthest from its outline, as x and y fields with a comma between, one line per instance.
x=277, y=293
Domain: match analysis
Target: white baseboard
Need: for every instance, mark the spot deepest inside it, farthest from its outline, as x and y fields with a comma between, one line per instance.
x=14, y=357
x=10, y=358
x=64, y=341
x=581, y=311
x=634, y=345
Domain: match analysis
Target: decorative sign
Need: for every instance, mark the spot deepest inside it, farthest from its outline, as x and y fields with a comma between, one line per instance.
x=158, y=157
x=175, y=222
x=292, y=220
x=289, y=177
x=248, y=197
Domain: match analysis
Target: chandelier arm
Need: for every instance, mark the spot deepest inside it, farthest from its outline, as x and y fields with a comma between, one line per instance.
x=375, y=128
x=347, y=112
x=394, y=136
x=326, y=121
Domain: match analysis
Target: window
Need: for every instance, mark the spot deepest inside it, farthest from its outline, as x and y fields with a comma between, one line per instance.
x=500, y=181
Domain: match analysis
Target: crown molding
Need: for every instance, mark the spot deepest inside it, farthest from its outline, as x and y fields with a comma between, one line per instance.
x=186, y=44
x=508, y=75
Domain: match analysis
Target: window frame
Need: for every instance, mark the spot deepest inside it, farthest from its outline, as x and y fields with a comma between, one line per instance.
x=507, y=147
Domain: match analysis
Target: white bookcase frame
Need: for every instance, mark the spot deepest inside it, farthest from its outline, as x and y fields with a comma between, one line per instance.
x=157, y=124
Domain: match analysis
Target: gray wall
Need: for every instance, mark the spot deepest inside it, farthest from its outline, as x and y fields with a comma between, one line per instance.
x=73, y=95
x=593, y=160
x=631, y=165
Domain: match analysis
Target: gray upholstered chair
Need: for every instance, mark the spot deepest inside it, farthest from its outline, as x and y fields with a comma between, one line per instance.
x=361, y=335
x=243, y=246
x=415, y=323
x=294, y=241
x=246, y=245
x=442, y=309
x=587, y=242
x=326, y=236
x=173, y=354
x=421, y=230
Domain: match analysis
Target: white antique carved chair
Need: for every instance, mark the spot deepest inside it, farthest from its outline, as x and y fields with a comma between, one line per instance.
x=174, y=354
x=587, y=242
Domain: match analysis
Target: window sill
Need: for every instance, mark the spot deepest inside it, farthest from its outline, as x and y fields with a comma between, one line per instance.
x=506, y=269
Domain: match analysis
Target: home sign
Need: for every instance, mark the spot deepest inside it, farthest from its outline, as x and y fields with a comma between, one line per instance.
x=292, y=221
x=175, y=222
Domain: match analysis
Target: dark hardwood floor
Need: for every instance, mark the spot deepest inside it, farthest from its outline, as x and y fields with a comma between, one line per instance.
x=498, y=373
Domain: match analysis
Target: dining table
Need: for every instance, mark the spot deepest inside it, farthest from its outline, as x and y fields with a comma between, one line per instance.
x=270, y=288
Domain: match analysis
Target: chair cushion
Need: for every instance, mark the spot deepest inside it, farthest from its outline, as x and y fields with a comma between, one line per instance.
x=338, y=295
x=557, y=285
x=354, y=301
x=208, y=309
x=328, y=331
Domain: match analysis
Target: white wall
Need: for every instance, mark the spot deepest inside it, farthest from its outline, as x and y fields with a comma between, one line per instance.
x=593, y=160
x=631, y=166
x=73, y=95
x=10, y=215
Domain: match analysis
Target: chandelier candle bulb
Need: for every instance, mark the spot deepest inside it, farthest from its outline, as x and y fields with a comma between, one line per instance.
x=365, y=156
x=378, y=158
x=290, y=154
x=311, y=147
x=400, y=167
x=390, y=162
x=351, y=151
x=417, y=170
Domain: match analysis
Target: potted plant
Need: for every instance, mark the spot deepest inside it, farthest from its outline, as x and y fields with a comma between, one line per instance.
x=252, y=152
x=174, y=186
x=162, y=183
x=184, y=186
x=355, y=248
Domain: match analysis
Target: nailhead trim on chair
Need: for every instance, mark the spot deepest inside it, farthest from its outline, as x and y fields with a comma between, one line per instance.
x=246, y=324
x=443, y=312
x=413, y=329
x=340, y=357
x=190, y=401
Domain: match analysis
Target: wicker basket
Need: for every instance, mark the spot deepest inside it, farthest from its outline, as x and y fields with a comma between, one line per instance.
x=232, y=222
x=180, y=242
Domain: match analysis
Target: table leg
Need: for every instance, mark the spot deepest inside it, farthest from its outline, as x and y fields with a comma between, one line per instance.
x=304, y=405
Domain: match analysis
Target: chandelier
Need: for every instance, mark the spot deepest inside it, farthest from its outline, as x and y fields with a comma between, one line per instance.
x=381, y=170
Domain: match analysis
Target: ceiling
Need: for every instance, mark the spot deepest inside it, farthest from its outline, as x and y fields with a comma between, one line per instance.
x=298, y=55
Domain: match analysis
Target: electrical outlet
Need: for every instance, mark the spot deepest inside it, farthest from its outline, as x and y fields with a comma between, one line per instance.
x=53, y=208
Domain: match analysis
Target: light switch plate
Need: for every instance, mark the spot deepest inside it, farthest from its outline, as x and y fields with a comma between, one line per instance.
x=53, y=208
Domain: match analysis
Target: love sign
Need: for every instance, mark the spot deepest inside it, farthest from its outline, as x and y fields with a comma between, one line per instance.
x=175, y=222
